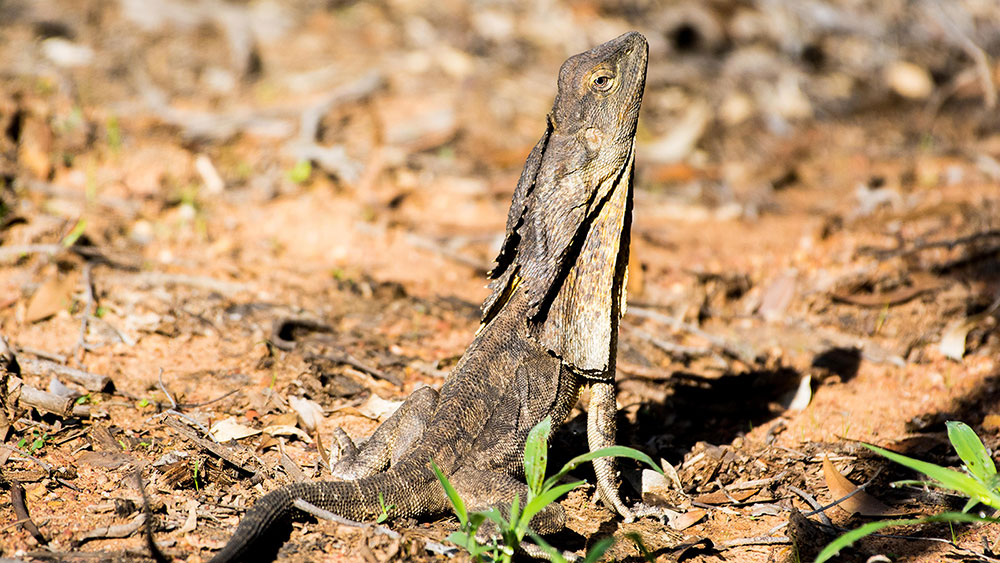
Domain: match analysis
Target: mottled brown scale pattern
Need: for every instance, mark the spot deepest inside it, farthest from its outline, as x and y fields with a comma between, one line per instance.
x=549, y=328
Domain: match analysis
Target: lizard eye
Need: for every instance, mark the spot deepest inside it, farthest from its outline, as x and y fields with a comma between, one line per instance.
x=602, y=81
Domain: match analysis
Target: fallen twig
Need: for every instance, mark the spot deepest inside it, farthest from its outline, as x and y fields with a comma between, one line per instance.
x=21, y=510
x=426, y=243
x=218, y=450
x=43, y=354
x=824, y=508
x=756, y=540
x=676, y=351
x=113, y=531
x=87, y=380
x=291, y=468
x=201, y=282
x=322, y=514
x=756, y=483
x=19, y=250
x=122, y=206
x=43, y=400
x=89, y=302
x=813, y=503
x=733, y=350
x=962, y=39
x=48, y=468
x=949, y=244
x=147, y=512
x=349, y=360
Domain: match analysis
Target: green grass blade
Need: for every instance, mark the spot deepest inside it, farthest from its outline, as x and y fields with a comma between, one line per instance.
x=597, y=550
x=970, y=448
x=538, y=503
x=536, y=456
x=456, y=501
x=495, y=515
x=947, y=478
x=515, y=510
x=554, y=554
x=613, y=451
x=831, y=550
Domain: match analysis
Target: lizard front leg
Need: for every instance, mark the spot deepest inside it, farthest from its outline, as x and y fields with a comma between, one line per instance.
x=601, y=429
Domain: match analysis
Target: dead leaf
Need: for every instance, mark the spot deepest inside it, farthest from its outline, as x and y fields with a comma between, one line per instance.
x=671, y=473
x=228, y=429
x=655, y=488
x=192, y=517
x=310, y=413
x=953, y=340
x=54, y=295
x=287, y=430
x=724, y=497
x=35, y=148
x=800, y=399
x=991, y=422
x=687, y=519
x=861, y=503
x=377, y=408
x=778, y=296
x=106, y=460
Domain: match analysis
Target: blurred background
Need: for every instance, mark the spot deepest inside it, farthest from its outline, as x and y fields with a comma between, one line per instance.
x=817, y=208
x=423, y=113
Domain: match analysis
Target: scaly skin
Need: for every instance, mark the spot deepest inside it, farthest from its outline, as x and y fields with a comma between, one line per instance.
x=549, y=328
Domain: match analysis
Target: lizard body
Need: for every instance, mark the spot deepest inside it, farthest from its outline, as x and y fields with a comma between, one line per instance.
x=549, y=327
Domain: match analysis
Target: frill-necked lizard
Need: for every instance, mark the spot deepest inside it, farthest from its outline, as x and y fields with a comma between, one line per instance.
x=549, y=328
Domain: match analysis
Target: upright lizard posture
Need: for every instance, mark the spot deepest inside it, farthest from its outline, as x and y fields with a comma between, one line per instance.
x=549, y=328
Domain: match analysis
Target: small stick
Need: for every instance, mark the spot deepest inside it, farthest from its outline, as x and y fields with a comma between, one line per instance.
x=200, y=282
x=349, y=360
x=643, y=372
x=154, y=550
x=322, y=514
x=756, y=483
x=88, y=307
x=114, y=531
x=426, y=243
x=21, y=510
x=740, y=353
x=677, y=351
x=290, y=467
x=43, y=354
x=159, y=378
x=757, y=540
x=948, y=244
x=216, y=449
x=89, y=381
x=37, y=461
x=816, y=506
x=18, y=250
x=43, y=400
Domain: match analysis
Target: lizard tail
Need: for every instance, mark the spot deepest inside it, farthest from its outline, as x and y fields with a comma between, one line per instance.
x=355, y=500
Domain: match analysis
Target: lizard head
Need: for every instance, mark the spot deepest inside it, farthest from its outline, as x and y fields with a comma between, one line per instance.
x=566, y=247
x=600, y=92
